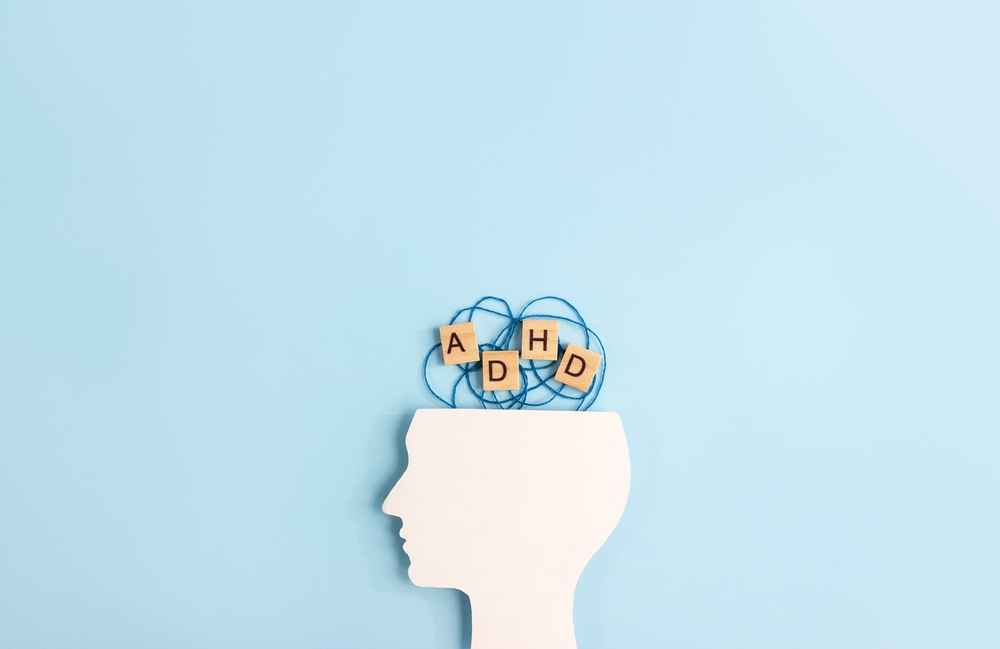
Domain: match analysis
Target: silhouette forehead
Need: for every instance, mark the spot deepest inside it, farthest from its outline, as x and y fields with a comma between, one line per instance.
x=455, y=441
x=500, y=421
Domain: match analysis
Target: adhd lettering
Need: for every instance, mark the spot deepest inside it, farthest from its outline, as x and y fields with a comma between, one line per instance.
x=573, y=358
x=578, y=367
x=501, y=371
x=497, y=368
x=458, y=343
x=454, y=342
x=544, y=340
x=540, y=340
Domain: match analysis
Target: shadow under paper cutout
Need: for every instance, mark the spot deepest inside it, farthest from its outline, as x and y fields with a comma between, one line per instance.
x=509, y=507
x=387, y=564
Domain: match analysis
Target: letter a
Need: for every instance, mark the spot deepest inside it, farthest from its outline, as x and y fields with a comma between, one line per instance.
x=458, y=343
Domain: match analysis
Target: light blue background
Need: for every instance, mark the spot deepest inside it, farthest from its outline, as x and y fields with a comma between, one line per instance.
x=227, y=234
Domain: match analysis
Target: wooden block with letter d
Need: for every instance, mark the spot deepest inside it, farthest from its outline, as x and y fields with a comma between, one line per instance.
x=501, y=371
x=540, y=340
x=458, y=343
x=578, y=367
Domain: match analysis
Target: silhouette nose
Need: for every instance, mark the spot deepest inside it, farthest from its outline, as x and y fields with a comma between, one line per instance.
x=390, y=502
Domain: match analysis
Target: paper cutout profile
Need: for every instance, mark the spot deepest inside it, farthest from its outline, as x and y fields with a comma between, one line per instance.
x=509, y=506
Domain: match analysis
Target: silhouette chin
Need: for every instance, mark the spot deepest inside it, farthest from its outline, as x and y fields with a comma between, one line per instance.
x=418, y=578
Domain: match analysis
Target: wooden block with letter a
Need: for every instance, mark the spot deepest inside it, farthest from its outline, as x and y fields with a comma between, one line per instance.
x=501, y=371
x=578, y=367
x=458, y=343
x=540, y=340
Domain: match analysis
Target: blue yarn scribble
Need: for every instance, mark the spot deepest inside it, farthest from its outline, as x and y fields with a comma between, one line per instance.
x=539, y=389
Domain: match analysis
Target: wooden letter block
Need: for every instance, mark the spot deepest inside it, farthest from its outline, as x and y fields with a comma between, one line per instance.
x=540, y=340
x=458, y=343
x=501, y=371
x=578, y=367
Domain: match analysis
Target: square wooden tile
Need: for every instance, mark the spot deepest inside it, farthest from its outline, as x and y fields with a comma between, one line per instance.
x=540, y=340
x=501, y=371
x=578, y=367
x=458, y=343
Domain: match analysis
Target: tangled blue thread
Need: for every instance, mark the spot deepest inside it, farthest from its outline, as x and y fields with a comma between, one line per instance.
x=538, y=385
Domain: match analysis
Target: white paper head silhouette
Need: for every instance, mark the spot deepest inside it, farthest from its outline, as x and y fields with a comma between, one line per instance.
x=509, y=506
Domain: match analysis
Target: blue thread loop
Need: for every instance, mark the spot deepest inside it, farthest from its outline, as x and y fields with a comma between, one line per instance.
x=539, y=389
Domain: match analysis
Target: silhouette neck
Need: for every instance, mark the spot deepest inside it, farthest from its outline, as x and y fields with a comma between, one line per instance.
x=524, y=619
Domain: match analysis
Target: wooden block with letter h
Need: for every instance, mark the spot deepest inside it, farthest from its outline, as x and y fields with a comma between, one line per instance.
x=540, y=340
